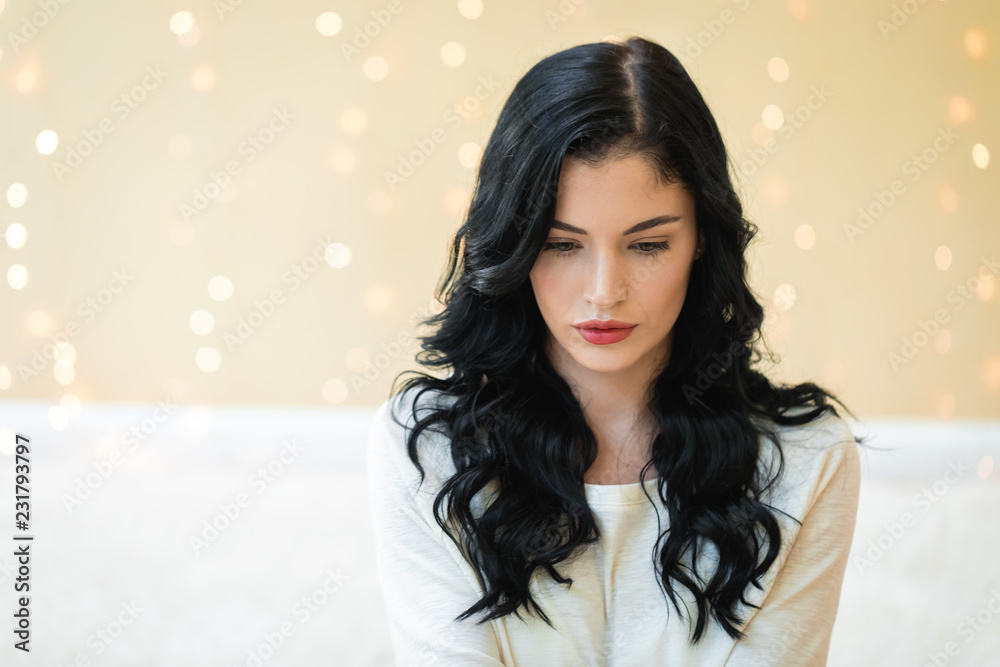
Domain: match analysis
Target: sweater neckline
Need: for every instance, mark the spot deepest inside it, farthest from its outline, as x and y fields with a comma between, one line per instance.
x=620, y=494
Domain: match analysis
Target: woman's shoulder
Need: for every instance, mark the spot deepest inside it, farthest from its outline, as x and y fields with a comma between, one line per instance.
x=393, y=421
x=399, y=413
x=815, y=454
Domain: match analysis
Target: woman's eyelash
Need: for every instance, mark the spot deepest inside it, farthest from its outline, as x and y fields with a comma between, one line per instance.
x=657, y=246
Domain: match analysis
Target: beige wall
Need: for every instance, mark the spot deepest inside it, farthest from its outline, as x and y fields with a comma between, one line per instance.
x=321, y=180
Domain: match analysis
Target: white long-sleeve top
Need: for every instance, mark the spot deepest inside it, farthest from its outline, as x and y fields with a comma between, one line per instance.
x=615, y=613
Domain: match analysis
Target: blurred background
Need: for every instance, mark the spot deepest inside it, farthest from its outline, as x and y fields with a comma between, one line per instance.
x=223, y=220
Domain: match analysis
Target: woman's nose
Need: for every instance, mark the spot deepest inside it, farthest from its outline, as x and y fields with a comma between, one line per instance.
x=607, y=284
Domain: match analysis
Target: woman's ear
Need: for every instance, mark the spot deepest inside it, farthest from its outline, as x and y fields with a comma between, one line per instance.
x=700, y=248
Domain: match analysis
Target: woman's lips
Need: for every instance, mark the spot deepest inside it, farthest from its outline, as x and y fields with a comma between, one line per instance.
x=605, y=336
x=604, y=324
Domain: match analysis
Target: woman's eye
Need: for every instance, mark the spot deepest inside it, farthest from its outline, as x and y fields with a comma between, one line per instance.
x=644, y=247
x=559, y=247
x=654, y=247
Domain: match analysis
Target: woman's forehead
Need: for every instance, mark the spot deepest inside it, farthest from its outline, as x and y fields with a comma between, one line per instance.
x=617, y=194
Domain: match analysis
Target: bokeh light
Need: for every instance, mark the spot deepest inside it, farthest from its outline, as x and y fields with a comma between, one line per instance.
x=975, y=43
x=201, y=322
x=343, y=160
x=453, y=54
x=46, y=142
x=942, y=257
x=207, y=359
x=334, y=391
x=337, y=255
x=17, y=276
x=773, y=117
x=777, y=69
x=376, y=68
x=16, y=235
x=17, y=194
x=328, y=24
x=805, y=237
x=470, y=9
x=353, y=121
x=220, y=288
x=181, y=23
x=981, y=156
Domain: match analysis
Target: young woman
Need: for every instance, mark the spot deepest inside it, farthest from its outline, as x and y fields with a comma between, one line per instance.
x=602, y=476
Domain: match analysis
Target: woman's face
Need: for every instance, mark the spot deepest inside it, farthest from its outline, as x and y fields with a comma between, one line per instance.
x=621, y=247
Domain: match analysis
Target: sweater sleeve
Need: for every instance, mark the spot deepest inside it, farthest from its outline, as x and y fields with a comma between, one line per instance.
x=795, y=622
x=423, y=586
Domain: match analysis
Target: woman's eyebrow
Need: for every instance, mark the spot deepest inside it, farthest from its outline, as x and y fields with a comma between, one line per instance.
x=634, y=229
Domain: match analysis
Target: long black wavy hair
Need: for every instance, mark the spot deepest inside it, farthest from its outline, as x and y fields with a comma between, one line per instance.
x=514, y=421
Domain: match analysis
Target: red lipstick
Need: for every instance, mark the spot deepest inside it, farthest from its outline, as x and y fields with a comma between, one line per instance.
x=604, y=332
